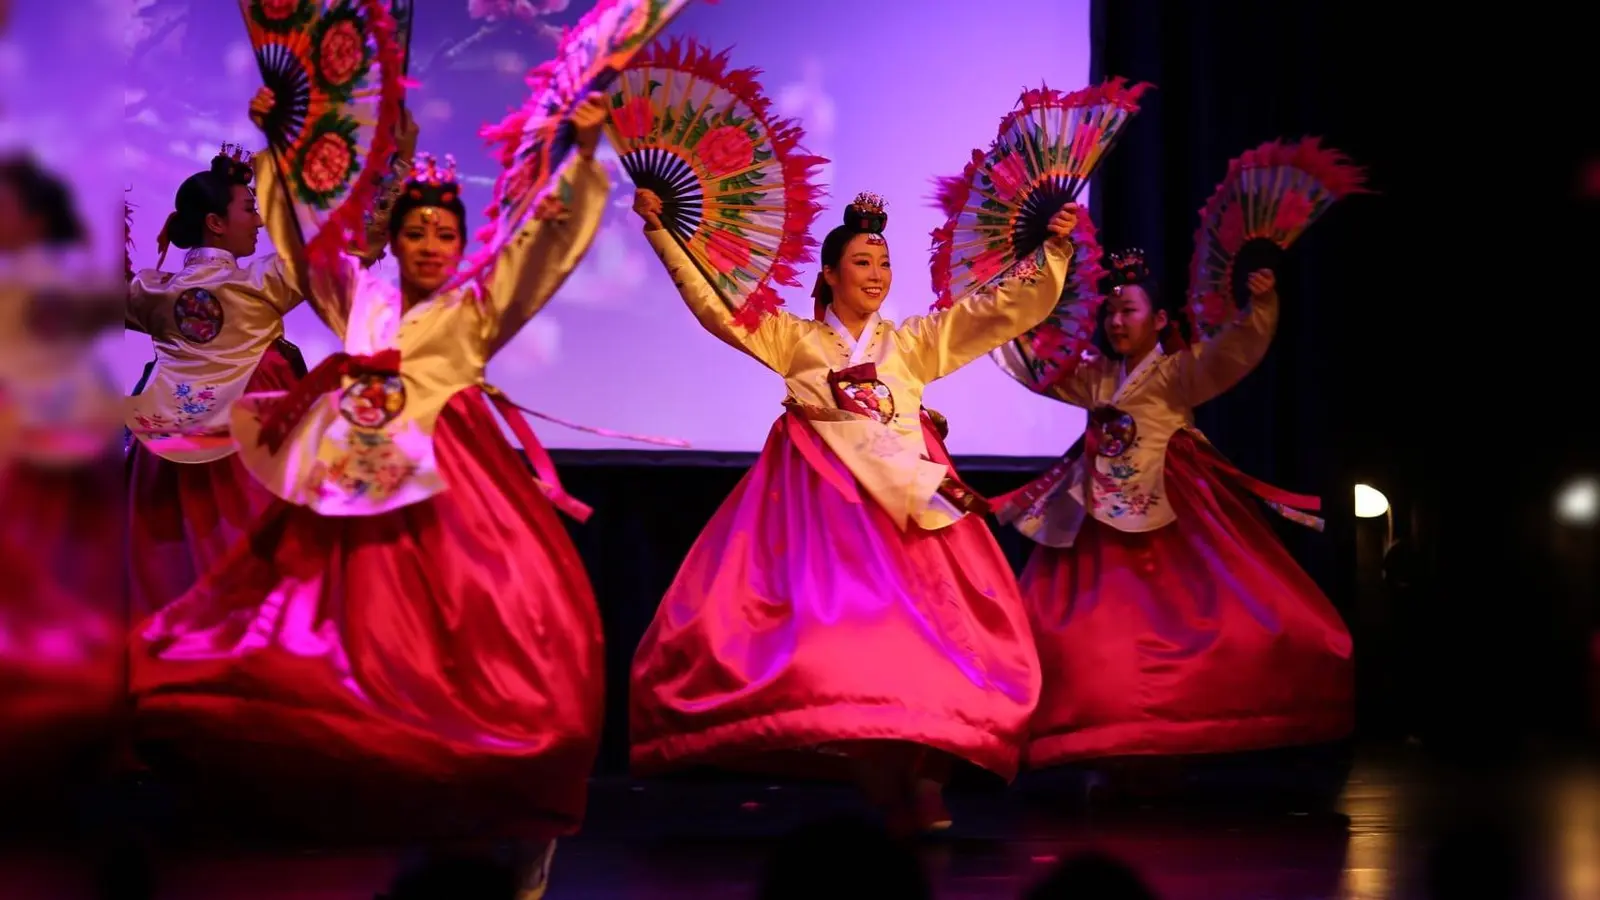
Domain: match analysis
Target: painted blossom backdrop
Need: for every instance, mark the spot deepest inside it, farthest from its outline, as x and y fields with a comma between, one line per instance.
x=894, y=94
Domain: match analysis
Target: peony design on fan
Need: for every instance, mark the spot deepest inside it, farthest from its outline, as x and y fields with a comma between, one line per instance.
x=334, y=69
x=1042, y=156
x=734, y=183
x=533, y=141
x=1268, y=198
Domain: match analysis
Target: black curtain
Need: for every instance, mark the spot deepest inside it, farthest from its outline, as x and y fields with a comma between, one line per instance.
x=1410, y=341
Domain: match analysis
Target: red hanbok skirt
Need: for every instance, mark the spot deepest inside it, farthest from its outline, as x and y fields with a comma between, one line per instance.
x=443, y=662
x=183, y=517
x=803, y=620
x=62, y=620
x=1203, y=636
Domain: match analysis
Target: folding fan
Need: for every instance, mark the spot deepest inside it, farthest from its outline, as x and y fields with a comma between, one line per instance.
x=735, y=187
x=1269, y=197
x=335, y=70
x=1000, y=207
x=533, y=141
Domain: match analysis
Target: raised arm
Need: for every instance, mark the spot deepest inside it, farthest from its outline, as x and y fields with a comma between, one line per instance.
x=1212, y=367
x=771, y=341
x=328, y=291
x=944, y=341
x=538, y=261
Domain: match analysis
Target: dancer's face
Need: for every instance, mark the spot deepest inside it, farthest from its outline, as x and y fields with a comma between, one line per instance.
x=1132, y=325
x=428, y=247
x=238, y=230
x=860, y=282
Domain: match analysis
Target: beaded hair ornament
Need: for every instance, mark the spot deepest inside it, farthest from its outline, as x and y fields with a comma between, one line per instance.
x=433, y=186
x=233, y=161
x=1125, y=268
x=866, y=215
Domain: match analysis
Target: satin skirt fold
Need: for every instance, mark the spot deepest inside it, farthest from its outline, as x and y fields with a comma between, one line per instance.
x=804, y=621
x=451, y=646
x=183, y=517
x=1203, y=636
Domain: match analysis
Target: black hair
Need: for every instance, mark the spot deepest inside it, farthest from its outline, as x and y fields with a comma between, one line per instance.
x=46, y=198
x=204, y=194
x=446, y=197
x=865, y=215
x=1177, y=322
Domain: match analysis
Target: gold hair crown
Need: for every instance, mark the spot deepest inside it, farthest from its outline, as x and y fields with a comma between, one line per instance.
x=868, y=202
x=426, y=170
x=236, y=153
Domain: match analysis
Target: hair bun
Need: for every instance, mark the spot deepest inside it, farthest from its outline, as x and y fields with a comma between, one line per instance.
x=865, y=214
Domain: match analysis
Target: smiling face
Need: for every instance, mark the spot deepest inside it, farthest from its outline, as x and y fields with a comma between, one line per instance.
x=238, y=230
x=860, y=283
x=428, y=246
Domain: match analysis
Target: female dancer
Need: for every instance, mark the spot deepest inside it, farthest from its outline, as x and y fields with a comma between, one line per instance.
x=843, y=599
x=414, y=604
x=61, y=575
x=1170, y=618
x=217, y=327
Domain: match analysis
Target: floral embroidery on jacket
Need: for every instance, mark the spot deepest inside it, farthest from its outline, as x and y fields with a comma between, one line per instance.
x=191, y=406
x=367, y=465
x=1117, y=492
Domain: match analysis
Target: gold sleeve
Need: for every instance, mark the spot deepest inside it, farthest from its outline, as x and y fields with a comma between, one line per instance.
x=942, y=342
x=138, y=302
x=329, y=292
x=1076, y=389
x=1212, y=367
x=540, y=258
x=772, y=342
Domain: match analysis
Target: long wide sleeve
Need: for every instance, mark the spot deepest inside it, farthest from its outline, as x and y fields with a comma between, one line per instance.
x=538, y=261
x=771, y=343
x=329, y=292
x=1077, y=387
x=1214, y=366
x=944, y=341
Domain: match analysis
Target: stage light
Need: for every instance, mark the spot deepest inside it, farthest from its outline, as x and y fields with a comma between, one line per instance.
x=1578, y=502
x=1370, y=502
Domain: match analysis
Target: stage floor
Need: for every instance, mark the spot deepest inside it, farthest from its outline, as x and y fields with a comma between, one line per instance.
x=677, y=841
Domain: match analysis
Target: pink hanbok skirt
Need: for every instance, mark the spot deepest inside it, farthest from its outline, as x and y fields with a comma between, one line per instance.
x=1203, y=636
x=804, y=628
x=442, y=662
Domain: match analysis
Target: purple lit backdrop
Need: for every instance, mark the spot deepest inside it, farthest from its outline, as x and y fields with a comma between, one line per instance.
x=893, y=93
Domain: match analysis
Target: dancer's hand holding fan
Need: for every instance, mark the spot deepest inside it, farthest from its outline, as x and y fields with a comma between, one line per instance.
x=999, y=207
x=1269, y=197
x=533, y=141
x=334, y=70
x=1052, y=350
x=732, y=182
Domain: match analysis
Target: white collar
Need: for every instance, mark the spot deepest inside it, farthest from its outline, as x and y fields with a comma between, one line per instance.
x=858, y=345
x=204, y=254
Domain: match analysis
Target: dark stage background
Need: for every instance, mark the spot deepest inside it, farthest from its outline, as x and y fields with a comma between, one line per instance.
x=1372, y=377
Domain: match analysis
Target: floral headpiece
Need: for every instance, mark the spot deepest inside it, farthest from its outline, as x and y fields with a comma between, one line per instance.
x=433, y=185
x=233, y=161
x=866, y=215
x=1125, y=268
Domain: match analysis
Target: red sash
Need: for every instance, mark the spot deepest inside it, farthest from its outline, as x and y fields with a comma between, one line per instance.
x=286, y=415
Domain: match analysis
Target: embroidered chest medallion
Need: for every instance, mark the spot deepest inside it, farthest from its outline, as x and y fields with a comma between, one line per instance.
x=1111, y=432
x=199, y=315
x=373, y=400
x=858, y=390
